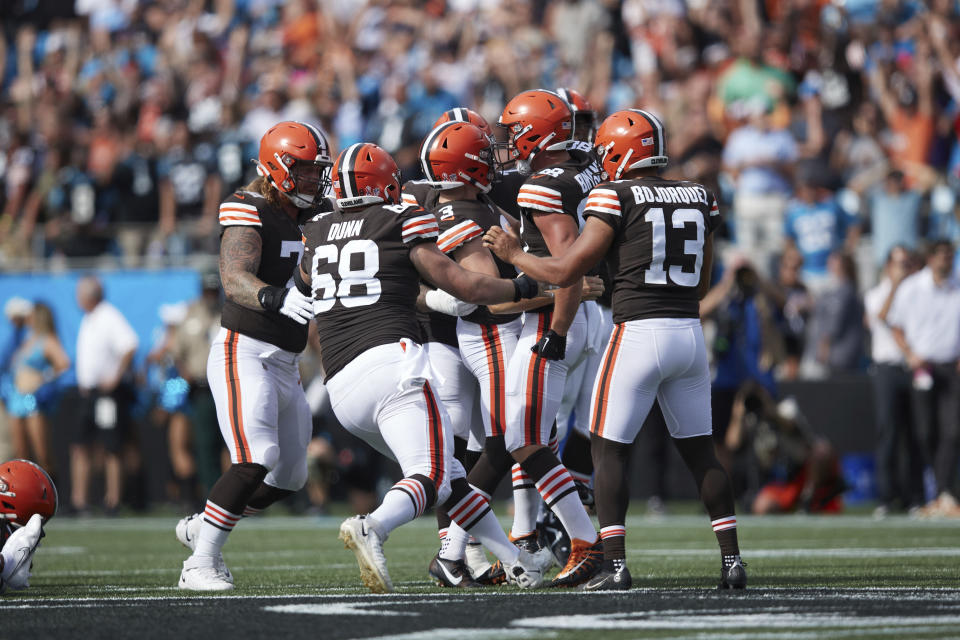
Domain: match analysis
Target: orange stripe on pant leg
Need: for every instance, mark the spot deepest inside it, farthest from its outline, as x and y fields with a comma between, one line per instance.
x=603, y=388
x=535, y=371
x=435, y=435
x=234, y=400
x=495, y=366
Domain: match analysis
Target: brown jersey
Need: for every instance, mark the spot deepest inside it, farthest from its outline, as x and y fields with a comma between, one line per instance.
x=657, y=252
x=364, y=285
x=434, y=326
x=465, y=220
x=561, y=189
x=280, y=254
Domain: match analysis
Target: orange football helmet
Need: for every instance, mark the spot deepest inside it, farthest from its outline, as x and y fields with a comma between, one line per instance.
x=536, y=121
x=25, y=489
x=456, y=153
x=365, y=174
x=462, y=114
x=631, y=139
x=584, y=115
x=295, y=157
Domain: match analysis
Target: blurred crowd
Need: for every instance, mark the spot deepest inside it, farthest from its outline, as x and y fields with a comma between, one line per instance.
x=829, y=129
x=823, y=124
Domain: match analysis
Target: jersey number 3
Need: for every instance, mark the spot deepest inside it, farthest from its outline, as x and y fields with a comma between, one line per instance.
x=326, y=290
x=693, y=247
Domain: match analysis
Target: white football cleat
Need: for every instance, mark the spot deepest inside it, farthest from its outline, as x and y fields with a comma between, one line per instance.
x=525, y=572
x=199, y=575
x=358, y=533
x=188, y=532
x=18, y=554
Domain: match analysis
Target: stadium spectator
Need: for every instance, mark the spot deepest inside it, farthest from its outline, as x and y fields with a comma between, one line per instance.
x=189, y=347
x=17, y=311
x=189, y=192
x=896, y=436
x=36, y=365
x=817, y=226
x=894, y=214
x=759, y=156
x=835, y=342
x=106, y=345
x=787, y=467
x=925, y=320
x=171, y=409
x=905, y=97
x=746, y=346
x=794, y=315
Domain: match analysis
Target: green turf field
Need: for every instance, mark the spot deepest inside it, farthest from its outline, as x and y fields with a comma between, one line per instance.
x=810, y=577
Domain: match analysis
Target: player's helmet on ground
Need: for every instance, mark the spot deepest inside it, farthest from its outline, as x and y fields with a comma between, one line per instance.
x=584, y=115
x=462, y=114
x=295, y=158
x=631, y=139
x=457, y=153
x=535, y=121
x=25, y=489
x=365, y=174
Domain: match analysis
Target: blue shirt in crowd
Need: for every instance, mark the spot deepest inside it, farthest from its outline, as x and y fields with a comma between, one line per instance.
x=894, y=220
x=817, y=229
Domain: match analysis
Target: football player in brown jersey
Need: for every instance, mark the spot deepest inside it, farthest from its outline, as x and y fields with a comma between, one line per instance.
x=457, y=158
x=252, y=367
x=364, y=261
x=539, y=128
x=438, y=328
x=656, y=237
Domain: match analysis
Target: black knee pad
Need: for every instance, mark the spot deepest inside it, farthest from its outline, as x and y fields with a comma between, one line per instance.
x=266, y=495
x=470, y=459
x=576, y=454
x=459, y=448
x=539, y=463
x=493, y=464
x=235, y=487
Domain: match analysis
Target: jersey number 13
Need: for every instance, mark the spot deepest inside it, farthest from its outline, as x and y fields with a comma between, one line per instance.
x=693, y=247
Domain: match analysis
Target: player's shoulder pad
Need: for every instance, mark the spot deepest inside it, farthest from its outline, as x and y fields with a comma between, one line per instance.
x=543, y=191
x=418, y=192
x=416, y=223
x=604, y=198
x=460, y=225
x=241, y=208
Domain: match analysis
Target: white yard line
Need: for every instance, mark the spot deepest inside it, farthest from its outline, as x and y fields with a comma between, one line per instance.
x=897, y=594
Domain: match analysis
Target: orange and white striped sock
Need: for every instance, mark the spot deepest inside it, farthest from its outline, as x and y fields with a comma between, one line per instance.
x=216, y=527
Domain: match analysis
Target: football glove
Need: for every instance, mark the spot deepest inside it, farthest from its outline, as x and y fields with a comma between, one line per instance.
x=552, y=346
x=18, y=553
x=442, y=302
x=287, y=302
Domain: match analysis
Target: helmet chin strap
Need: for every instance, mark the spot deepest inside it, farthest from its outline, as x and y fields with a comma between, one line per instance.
x=297, y=200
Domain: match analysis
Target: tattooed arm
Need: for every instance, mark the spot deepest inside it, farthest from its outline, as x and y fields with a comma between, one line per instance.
x=239, y=260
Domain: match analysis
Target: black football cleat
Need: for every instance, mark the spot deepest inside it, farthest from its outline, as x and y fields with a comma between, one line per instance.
x=734, y=576
x=452, y=573
x=492, y=576
x=584, y=563
x=613, y=576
